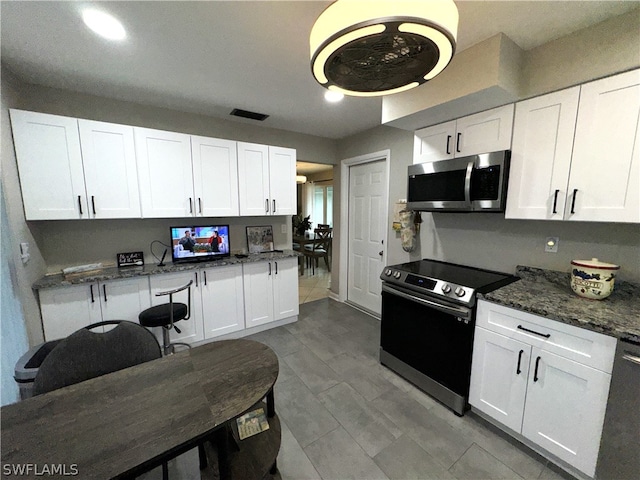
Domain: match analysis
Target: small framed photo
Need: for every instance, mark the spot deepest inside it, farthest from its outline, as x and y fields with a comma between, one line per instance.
x=260, y=239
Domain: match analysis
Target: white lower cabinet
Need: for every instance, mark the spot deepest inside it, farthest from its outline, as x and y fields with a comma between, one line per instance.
x=544, y=380
x=271, y=291
x=67, y=309
x=216, y=302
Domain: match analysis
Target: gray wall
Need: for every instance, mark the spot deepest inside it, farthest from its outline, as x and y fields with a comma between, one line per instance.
x=59, y=244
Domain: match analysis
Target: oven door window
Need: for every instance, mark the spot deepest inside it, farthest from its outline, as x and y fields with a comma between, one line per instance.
x=433, y=342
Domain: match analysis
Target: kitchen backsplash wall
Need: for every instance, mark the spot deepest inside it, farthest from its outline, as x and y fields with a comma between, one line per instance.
x=490, y=241
x=65, y=243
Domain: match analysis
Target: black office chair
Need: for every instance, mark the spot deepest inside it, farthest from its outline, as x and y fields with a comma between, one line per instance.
x=85, y=354
x=166, y=315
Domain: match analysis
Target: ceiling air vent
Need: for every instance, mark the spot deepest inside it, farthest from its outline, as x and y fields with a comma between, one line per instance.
x=246, y=114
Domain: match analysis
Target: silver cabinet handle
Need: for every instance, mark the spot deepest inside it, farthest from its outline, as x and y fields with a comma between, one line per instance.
x=266, y=205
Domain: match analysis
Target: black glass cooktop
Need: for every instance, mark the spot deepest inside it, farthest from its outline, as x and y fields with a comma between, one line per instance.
x=476, y=278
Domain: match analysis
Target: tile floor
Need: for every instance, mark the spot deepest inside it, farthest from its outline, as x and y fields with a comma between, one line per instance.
x=345, y=416
x=314, y=287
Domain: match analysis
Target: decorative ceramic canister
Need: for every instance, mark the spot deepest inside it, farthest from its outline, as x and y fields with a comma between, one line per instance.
x=592, y=278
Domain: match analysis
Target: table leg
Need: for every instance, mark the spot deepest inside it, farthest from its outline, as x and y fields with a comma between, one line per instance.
x=271, y=407
x=222, y=442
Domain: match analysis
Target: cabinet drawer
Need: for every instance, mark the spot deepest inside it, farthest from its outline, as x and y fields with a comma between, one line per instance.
x=583, y=346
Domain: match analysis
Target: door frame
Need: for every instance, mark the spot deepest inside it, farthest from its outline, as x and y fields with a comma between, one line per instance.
x=345, y=166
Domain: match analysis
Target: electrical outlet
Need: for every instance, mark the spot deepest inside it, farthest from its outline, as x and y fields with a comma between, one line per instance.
x=283, y=228
x=551, y=244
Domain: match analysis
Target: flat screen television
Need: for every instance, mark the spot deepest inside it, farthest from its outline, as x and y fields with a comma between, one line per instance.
x=199, y=244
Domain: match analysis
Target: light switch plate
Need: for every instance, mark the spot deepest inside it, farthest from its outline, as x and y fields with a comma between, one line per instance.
x=283, y=228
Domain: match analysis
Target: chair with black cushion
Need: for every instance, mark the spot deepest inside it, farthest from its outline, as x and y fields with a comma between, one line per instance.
x=319, y=248
x=166, y=315
x=85, y=354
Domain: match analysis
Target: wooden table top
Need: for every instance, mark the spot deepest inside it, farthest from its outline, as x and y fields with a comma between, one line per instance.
x=129, y=420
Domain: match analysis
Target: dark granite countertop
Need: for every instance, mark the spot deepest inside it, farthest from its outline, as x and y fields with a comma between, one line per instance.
x=548, y=293
x=115, y=273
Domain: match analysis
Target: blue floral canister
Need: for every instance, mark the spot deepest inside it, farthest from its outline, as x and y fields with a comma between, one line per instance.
x=592, y=278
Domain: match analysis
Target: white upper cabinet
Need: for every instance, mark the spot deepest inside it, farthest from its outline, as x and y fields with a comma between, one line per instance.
x=543, y=133
x=91, y=164
x=282, y=180
x=434, y=143
x=482, y=132
x=164, y=169
x=253, y=178
x=266, y=177
x=48, y=154
x=215, y=177
x=578, y=159
x=604, y=183
x=110, y=172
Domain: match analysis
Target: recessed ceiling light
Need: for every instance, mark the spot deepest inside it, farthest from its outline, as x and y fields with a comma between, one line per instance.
x=104, y=24
x=333, y=96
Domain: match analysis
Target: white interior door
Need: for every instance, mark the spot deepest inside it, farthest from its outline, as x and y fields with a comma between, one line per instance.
x=366, y=226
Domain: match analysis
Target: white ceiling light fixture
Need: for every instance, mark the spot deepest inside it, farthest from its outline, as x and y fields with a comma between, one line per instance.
x=382, y=47
x=103, y=24
x=301, y=179
x=332, y=96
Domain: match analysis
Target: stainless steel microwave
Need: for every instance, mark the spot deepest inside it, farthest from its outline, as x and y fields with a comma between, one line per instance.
x=477, y=183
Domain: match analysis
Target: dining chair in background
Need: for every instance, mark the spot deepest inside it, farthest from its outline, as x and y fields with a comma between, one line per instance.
x=320, y=248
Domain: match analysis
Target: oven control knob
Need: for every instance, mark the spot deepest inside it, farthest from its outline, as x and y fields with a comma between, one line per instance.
x=459, y=292
x=388, y=272
x=446, y=288
x=396, y=274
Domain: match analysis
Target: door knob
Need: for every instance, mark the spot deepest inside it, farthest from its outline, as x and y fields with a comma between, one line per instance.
x=380, y=253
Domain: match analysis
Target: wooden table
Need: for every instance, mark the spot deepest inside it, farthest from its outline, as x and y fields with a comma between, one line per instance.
x=127, y=422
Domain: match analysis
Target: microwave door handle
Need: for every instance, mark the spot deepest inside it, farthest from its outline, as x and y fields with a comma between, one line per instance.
x=467, y=184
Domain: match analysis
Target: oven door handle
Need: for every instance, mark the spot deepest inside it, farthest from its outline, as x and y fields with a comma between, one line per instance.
x=452, y=310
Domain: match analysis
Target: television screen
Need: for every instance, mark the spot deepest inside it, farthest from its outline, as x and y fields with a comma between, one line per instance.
x=199, y=244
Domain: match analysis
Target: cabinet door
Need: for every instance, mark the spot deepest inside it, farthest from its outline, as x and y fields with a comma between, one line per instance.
x=110, y=172
x=124, y=299
x=253, y=179
x=191, y=329
x=565, y=408
x=68, y=309
x=605, y=169
x=282, y=181
x=434, y=143
x=222, y=300
x=285, y=288
x=48, y=155
x=258, y=293
x=543, y=133
x=484, y=132
x=165, y=173
x=215, y=177
x=499, y=377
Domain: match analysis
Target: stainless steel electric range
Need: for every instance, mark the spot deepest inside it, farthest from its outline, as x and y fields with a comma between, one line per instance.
x=427, y=324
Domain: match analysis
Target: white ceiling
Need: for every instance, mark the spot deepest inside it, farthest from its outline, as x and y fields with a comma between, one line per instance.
x=209, y=57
